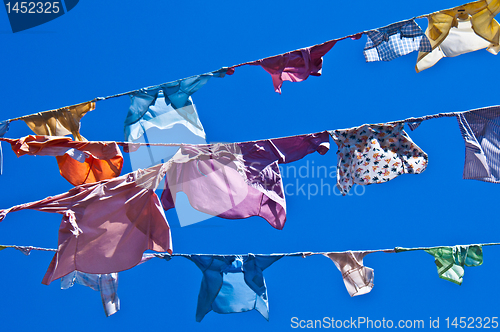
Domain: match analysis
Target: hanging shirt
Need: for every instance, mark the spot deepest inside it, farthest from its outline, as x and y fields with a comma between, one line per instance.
x=395, y=40
x=4, y=128
x=107, y=225
x=460, y=30
x=232, y=283
x=166, y=105
x=358, y=279
x=79, y=162
x=295, y=66
x=239, y=180
x=375, y=154
x=107, y=284
x=450, y=261
x=481, y=132
x=61, y=122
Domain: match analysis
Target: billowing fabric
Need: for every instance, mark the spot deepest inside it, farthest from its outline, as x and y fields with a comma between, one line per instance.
x=166, y=105
x=481, y=132
x=4, y=128
x=450, y=261
x=395, y=40
x=375, y=154
x=61, y=122
x=295, y=66
x=79, y=162
x=107, y=284
x=107, y=225
x=232, y=283
x=239, y=180
x=358, y=279
x=460, y=30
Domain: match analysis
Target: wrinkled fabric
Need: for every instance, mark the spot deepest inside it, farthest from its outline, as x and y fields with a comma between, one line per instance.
x=232, y=283
x=79, y=162
x=107, y=225
x=166, y=105
x=395, y=40
x=481, y=132
x=450, y=261
x=358, y=279
x=106, y=284
x=61, y=122
x=296, y=66
x=460, y=30
x=4, y=128
x=375, y=154
x=239, y=180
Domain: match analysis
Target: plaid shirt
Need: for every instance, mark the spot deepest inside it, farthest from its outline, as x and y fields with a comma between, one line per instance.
x=395, y=40
x=107, y=284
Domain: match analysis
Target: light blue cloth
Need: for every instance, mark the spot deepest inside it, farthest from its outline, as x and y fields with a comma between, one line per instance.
x=232, y=283
x=107, y=284
x=4, y=128
x=149, y=108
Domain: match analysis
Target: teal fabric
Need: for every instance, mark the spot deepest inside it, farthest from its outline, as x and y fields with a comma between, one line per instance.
x=176, y=106
x=450, y=261
x=232, y=283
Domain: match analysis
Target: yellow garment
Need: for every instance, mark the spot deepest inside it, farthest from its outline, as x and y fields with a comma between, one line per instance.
x=61, y=122
x=482, y=18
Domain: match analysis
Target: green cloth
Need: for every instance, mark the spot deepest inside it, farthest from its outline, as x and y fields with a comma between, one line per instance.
x=450, y=261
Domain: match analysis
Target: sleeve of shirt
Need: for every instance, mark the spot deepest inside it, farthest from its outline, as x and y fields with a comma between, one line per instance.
x=290, y=149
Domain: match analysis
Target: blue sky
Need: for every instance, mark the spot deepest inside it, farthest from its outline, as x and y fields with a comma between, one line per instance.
x=103, y=48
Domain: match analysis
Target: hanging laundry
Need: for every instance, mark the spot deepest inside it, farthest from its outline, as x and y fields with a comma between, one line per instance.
x=60, y=122
x=79, y=162
x=460, y=30
x=107, y=284
x=481, y=131
x=107, y=225
x=395, y=40
x=295, y=66
x=166, y=105
x=358, y=279
x=375, y=154
x=4, y=128
x=239, y=180
x=232, y=283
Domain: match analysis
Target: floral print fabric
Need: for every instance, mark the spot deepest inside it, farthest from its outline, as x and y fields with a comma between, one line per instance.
x=375, y=154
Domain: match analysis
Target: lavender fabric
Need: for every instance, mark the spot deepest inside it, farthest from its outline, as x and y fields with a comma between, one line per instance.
x=239, y=180
x=4, y=128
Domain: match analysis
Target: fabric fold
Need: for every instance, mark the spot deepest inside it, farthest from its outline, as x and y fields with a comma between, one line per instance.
x=106, y=284
x=4, y=128
x=375, y=154
x=481, y=132
x=239, y=180
x=358, y=279
x=232, y=283
x=460, y=30
x=107, y=225
x=395, y=40
x=79, y=162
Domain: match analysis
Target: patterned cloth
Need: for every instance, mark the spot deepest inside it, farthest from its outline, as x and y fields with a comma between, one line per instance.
x=395, y=40
x=232, y=283
x=239, y=180
x=481, y=131
x=107, y=284
x=60, y=122
x=106, y=226
x=450, y=261
x=374, y=154
x=358, y=279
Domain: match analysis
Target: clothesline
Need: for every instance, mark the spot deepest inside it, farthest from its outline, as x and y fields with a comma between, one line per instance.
x=289, y=254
